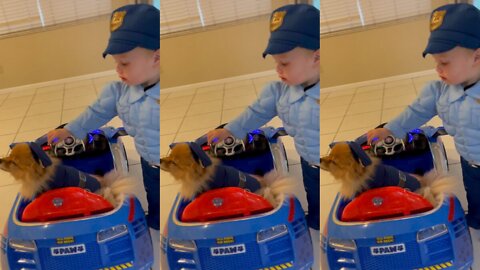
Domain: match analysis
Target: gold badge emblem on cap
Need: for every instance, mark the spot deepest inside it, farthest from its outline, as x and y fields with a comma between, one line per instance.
x=437, y=19
x=277, y=20
x=117, y=20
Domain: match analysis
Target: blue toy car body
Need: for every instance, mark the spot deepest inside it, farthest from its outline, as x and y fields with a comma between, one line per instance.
x=277, y=239
x=436, y=239
x=117, y=239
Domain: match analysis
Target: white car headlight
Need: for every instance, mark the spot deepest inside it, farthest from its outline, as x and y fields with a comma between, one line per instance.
x=342, y=244
x=272, y=233
x=23, y=245
x=432, y=232
x=182, y=245
x=111, y=233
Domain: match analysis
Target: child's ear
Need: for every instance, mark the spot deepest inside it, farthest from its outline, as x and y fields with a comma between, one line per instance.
x=477, y=56
x=156, y=56
x=316, y=56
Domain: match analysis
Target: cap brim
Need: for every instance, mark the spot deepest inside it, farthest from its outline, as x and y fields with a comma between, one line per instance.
x=116, y=48
x=434, y=47
x=275, y=48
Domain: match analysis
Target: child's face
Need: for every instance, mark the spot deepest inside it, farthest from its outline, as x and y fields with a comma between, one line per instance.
x=298, y=66
x=458, y=66
x=138, y=66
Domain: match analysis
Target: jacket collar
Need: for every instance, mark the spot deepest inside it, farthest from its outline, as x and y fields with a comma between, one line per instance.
x=297, y=92
x=136, y=92
x=474, y=91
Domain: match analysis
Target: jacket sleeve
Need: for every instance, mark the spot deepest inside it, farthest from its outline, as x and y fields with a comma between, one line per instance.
x=97, y=114
x=418, y=113
x=257, y=114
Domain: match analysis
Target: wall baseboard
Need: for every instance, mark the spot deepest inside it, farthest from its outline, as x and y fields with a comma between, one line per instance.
x=60, y=81
x=376, y=81
x=213, y=82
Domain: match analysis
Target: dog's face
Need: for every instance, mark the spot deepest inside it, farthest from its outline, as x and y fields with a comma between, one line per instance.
x=341, y=163
x=21, y=163
x=181, y=164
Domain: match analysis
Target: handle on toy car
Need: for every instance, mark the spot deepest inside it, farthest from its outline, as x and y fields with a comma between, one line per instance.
x=119, y=132
x=388, y=146
x=229, y=146
x=69, y=146
x=279, y=132
x=440, y=131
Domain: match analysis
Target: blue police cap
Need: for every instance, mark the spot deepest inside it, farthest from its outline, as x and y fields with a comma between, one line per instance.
x=134, y=26
x=453, y=25
x=294, y=26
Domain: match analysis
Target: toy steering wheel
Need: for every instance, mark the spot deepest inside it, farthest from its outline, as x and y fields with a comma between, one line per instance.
x=68, y=147
x=228, y=147
x=388, y=146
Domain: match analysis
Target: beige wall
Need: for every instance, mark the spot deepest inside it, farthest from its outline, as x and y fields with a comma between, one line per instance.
x=390, y=50
x=228, y=51
x=67, y=51
x=55, y=54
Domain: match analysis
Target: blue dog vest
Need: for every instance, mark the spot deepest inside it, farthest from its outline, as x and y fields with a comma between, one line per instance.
x=66, y=176
x=226, y=176
x=386, y=175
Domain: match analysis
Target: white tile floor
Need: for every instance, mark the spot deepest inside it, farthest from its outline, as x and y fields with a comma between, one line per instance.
x=28, y=114
x=348, y=113
x=186, y=115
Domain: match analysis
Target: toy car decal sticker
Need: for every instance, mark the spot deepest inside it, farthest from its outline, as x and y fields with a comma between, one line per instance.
x=65, y=240
x=119, y=267
x=387, y=250
x=385, y=239
x=225, y=240
x=68, y=250
x=279, y=266
x=438, y=266
x=228, y=250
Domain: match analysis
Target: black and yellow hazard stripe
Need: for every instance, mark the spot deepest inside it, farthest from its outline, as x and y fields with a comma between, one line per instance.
x=279, y=266
x=119, y=267
x=437, y=266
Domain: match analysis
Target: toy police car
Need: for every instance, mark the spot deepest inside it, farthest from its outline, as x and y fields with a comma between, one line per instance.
x=71, y=228
x=395, y=229
x=231, y=228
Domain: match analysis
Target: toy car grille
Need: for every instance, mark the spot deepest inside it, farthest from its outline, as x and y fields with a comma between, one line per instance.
x=120, y=249
x=248, y=260
x=139, y=227
x=459, y=227
x=299, y=227
x=280, y=249
x=407, y=260
x=440, y=249
x=88, y=260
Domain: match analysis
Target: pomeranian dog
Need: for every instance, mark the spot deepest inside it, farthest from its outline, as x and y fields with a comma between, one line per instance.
x=358, y=172
x=37, y=172
x=197, y=172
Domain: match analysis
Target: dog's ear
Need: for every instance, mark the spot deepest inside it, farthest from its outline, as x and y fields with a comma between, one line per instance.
x=359, y=154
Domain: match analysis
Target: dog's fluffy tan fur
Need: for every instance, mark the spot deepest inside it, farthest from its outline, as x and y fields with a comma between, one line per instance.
x=34, y=178
x=194, y=178
x=354, y=177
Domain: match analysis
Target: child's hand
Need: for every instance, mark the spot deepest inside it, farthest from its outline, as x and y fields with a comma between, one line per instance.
x=377, y=134
x=217, y=135
x=57, y=135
